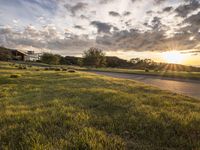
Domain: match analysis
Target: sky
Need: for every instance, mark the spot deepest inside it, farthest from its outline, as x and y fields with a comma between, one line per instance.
x=155, y=29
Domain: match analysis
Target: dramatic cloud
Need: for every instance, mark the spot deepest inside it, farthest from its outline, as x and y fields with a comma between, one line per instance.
x=71, y=26
x=47, y=38
x=184, y=10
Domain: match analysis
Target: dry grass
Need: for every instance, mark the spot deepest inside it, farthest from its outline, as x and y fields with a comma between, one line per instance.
x=59, y=110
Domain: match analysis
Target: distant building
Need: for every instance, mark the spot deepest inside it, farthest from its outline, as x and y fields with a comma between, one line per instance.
x=32, y=56
x=12, y=54
x=19, y=55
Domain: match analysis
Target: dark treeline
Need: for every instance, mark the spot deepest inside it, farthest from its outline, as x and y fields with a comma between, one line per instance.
x=95, y=57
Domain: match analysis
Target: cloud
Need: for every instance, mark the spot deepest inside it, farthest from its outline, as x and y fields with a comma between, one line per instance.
x=184, y=10
x=114, y=14
x=191, y=52
x=105, y=1
x=159, y=1
x=127, y=13
x=78, y=27
x=139, y=25
x=155, y=1
x=168, y=9
x=146, y=41
x=102, y=27
x=75, y=8
x=46, y=38
x=194, y=23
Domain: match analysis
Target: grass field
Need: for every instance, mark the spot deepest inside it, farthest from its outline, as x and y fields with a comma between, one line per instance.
x=172, y=74
x=61, y=110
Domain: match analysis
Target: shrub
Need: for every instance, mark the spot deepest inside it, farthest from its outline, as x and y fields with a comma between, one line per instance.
x=58, y=69
x=14, y=76
x=64, y=69
x=51, y=68
x=22, y=67
x=46, y=69
x=71, y=71
x=146, y=70
x=25, y=67
x=50, y=59
x=156, y=70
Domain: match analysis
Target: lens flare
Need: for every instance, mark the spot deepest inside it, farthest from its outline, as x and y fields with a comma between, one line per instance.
x=173, y=57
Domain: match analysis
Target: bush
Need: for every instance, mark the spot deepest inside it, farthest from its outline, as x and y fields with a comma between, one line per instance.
x=146, y=70
x=46, y=69
x=156, y=70
x=64, y=69
x=50, y=59
x=71, y=71
x=51, y=68
x=25, y=67
x=58, y=69
x=22, y=67
x=14, y=76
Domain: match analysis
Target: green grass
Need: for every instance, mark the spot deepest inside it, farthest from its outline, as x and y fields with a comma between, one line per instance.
x=172, y=74
x=62, y=110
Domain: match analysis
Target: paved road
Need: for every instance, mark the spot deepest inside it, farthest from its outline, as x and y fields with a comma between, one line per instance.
x=187, y=87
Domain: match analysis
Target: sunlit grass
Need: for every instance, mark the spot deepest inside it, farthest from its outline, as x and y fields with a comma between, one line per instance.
x=62, y=110
x=164, y=73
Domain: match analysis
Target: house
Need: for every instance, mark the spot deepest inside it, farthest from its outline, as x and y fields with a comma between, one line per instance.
x=11, y=54
x=32, y=56
x=18, y=55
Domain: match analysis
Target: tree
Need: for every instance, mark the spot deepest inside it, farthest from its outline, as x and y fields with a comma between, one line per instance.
x=135, y=60
x=50, y=59
x=94, y=57
x=5, y=56
x=70, y=60
x=112, y=61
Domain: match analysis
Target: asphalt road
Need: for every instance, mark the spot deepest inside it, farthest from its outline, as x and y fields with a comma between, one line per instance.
x=182, y=86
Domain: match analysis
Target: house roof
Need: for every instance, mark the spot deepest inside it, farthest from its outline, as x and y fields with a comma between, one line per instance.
x=20, y=51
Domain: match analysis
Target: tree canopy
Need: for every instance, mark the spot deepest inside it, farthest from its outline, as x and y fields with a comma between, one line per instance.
x=94, y=57
x=50, y=59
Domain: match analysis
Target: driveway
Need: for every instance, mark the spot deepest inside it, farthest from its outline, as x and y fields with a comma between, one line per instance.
x=182, y=86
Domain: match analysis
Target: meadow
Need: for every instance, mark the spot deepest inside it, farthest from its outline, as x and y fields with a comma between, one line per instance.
x=171, y=74
x=46, y=109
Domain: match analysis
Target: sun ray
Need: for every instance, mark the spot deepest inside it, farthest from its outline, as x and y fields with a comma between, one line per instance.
x=173, y=57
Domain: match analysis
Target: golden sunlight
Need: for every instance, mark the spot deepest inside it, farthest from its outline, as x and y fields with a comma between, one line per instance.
x=173, y=57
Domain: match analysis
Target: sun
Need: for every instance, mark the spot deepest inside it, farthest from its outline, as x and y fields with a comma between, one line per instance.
x=174, y=57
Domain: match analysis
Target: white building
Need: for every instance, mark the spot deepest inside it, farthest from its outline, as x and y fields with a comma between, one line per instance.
x=32, y=56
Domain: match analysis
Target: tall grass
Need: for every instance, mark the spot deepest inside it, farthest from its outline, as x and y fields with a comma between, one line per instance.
x=60, y=110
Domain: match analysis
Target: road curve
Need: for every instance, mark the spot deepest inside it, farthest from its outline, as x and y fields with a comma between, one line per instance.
x=182, y=86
